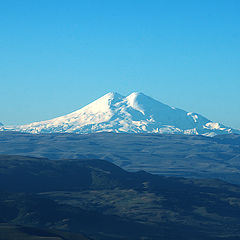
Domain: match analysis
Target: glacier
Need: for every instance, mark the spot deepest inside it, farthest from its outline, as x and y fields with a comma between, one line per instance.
x=136, y=113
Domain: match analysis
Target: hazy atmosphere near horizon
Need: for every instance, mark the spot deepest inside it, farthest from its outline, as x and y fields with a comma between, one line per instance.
x=58, y=56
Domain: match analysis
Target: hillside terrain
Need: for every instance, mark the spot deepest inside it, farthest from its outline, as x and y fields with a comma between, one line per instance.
x=13, y=232
x=104, y=202
x=172, y=155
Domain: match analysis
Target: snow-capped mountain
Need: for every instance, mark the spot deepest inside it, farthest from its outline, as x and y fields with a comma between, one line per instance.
x=136, y=113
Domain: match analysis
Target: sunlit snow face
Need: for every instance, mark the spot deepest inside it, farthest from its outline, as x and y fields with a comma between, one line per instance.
x=135, y=113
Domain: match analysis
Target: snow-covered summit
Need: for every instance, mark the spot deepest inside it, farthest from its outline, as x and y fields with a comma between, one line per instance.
x=135, y=113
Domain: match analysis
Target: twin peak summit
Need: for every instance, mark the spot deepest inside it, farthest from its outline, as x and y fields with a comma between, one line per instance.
x=136, y=113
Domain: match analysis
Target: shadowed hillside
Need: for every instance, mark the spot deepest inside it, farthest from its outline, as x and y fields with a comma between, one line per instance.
x=104, y=202
x=11, y=232
x=172, y=155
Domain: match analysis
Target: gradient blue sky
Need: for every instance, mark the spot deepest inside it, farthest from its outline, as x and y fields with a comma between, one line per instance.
x=57, y=56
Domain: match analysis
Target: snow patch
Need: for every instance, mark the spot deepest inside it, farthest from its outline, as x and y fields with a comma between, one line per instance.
x=134, y=103
x=212, y=125
x=194, y=116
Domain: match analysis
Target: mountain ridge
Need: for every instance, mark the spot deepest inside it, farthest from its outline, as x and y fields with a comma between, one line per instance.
x=136, y=113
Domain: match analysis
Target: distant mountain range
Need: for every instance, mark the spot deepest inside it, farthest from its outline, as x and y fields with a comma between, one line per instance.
x=136, y=113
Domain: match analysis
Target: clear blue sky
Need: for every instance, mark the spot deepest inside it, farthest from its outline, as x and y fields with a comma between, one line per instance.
x=57, y=56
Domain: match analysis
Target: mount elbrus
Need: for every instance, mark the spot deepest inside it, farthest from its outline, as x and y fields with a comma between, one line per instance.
x=136, y=113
